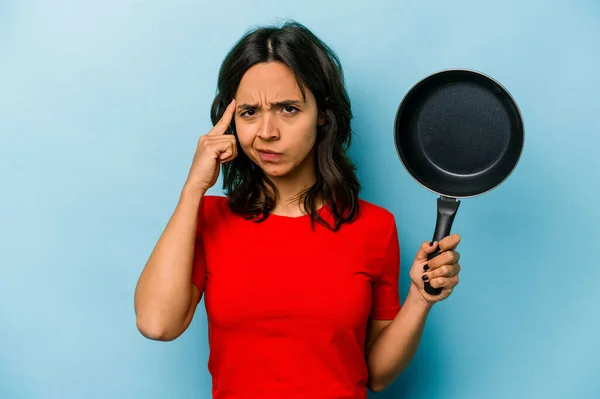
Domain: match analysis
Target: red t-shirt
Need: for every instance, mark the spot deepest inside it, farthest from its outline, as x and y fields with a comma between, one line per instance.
x=287, y=307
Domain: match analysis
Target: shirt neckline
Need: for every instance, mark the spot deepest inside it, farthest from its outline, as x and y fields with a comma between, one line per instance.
x=301, y=217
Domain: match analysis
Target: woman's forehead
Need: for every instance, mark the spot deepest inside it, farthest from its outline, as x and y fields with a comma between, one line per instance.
x=269, y=83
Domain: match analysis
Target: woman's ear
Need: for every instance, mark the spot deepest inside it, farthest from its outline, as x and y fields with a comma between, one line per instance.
x=321, y=120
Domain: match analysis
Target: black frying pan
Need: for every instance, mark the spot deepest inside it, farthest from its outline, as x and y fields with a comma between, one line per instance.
x=458, y=133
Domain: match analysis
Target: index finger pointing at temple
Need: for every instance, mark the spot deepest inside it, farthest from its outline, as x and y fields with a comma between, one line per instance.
x=225, y=121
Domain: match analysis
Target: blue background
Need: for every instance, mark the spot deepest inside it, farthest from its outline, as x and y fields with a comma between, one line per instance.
x=101, y=105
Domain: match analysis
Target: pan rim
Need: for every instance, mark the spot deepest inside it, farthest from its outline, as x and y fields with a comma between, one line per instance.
x=471, y=71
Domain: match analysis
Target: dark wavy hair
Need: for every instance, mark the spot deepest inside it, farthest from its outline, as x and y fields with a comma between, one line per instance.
x=316, y=67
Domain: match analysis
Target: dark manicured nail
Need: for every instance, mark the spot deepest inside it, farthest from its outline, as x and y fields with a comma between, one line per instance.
x=425, y=278
x=431, y=244
x=425, y=267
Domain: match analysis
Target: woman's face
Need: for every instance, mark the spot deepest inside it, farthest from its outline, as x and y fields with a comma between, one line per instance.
x=271, y=116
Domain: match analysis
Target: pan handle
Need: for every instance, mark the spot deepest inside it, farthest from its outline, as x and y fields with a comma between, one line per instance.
x=446, y=210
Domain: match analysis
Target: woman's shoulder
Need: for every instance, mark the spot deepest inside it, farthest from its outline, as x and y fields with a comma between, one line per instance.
x=213, y=205
x=374, y=219
x=375, y=225
x=372, y=211
x=214, y=200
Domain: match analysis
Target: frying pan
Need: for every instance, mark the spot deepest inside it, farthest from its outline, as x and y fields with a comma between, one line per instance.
x=459, y=134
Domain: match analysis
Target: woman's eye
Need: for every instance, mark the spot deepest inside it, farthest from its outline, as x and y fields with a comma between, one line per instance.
x=289, y=109
x=246, y=113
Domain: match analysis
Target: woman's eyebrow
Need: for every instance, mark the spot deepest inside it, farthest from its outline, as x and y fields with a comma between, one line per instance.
x=282, y=103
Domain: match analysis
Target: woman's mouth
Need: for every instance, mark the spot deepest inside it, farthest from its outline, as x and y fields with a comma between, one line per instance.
x=269, y=156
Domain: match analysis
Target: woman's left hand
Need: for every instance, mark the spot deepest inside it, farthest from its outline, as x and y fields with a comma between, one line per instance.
x=441, y=271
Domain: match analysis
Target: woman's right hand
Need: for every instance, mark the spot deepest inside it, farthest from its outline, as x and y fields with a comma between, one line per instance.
x=214, y=149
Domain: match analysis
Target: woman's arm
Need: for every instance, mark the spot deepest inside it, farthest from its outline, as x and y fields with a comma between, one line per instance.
x=395, y=347
x=165, y=298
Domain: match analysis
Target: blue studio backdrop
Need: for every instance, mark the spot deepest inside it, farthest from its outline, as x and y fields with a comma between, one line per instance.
x=101, y=106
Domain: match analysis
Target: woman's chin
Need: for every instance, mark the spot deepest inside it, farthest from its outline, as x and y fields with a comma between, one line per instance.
x=275, y=170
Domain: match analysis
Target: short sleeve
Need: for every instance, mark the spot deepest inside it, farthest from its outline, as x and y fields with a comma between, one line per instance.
x=386, y=298
x=199, y=259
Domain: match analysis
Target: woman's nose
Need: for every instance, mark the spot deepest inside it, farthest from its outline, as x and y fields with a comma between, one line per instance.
x=268, y=129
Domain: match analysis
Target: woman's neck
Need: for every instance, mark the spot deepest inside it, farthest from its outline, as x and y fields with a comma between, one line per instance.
x=290, y=201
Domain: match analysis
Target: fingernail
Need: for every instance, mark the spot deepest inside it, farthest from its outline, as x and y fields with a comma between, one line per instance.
x=431, y=244
x=425, y=278
x=425, y=267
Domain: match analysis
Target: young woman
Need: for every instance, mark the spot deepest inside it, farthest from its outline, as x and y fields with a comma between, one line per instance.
x=299, y=275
